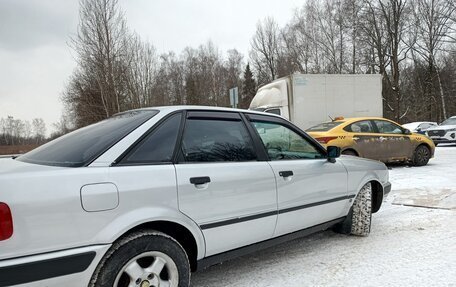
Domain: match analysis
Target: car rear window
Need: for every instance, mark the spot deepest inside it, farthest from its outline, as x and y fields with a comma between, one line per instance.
x=82, y=146
x=324, y=127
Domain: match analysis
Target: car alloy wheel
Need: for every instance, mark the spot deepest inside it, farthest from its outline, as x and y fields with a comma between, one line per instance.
x=154, y=269
x=421, y=156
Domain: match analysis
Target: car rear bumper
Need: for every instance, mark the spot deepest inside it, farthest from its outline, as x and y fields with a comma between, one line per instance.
x=72, y=267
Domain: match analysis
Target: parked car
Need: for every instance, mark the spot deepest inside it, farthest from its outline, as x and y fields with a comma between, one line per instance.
x=147, y=196
x=443, y=133
x=375, y=138
x=419, y=127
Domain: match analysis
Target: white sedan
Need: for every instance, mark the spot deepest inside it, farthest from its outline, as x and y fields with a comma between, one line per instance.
x=147, y=196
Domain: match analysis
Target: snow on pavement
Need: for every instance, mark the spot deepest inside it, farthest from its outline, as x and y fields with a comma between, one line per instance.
x=407, y=245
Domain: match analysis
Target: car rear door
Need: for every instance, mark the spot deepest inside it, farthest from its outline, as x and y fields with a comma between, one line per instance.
x=311, y=190
x=365, y=140
x=223, y=185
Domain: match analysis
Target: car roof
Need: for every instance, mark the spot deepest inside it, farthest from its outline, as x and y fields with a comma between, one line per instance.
x=419, y=123
x=169, y=109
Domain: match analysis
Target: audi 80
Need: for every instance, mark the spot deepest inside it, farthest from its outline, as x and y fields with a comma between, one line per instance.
x=148, y=196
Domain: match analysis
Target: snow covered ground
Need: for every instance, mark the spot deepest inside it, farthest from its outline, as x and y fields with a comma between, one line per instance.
x=407, y=246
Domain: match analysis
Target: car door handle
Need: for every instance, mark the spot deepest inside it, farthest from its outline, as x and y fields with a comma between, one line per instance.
x=355, y=138
x=200, y=180
x=286, y=173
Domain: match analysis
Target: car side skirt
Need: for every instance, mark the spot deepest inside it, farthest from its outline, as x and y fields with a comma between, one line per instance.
x=45, y=269
x=215, y=259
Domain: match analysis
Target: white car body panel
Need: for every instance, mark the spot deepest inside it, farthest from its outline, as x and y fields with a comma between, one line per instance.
x=312, y=181
x=236, y=190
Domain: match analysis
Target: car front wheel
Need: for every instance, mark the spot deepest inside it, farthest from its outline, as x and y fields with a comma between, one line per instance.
x=358, y=220
x=421, y=155
x=146, y=258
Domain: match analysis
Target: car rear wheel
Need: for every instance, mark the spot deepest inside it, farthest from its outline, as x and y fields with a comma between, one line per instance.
x=421, y=155
x=146, y=258
x=358, y=220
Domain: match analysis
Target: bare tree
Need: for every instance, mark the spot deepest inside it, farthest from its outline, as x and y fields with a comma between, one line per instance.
x=265, y=49
x=433, y=25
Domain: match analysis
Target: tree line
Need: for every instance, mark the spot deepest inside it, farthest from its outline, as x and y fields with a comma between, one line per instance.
x=410, y=43
x=22, y=132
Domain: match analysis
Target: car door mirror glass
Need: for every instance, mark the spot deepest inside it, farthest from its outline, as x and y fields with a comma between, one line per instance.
x=333, y=152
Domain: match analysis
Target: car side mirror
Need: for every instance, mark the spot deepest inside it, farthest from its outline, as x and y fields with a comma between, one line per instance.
x=407, y=132
x=333, y=153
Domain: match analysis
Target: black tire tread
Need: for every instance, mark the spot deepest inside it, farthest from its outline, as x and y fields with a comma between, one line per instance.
x=122, y=243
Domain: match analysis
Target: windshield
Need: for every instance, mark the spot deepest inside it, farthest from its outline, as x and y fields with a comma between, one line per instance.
x=82, y=146
x=324, y=127
x=449, y=122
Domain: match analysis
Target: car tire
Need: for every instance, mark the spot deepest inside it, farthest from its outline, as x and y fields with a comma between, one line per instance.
x=421, y=156
x=143, y=256
x=358, y=220
x=349, y=152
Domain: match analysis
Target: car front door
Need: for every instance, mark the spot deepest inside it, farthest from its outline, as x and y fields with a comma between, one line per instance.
x=398, y=145
x=222, y=184
x=311, y=190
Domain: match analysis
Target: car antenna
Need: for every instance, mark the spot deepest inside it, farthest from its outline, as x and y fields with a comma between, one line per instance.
x=331, y=118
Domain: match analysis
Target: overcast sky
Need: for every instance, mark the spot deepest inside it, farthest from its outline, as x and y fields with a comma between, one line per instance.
x=36, y=62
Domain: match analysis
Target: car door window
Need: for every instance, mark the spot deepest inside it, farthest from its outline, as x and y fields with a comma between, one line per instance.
x=425, y=126
x=157, y=147
x=385, y=127
x=360, y=127
x=282, y=143
x=214, y=140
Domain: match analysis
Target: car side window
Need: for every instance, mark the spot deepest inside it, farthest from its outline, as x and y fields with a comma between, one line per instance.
x=157, y=147
x=282, y=143
x=360, y=127
x=216, y=140
x=385, y=127
x=424, y=126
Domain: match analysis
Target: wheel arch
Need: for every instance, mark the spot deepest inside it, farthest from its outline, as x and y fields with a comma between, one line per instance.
x=177, y=231
x=168, y=221
x=426, y=145
x=377, y=191
x=350, y=149
x=377, y=195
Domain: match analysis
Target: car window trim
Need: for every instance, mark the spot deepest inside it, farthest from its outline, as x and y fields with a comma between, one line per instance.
x=150, y=131
x=212, y=115
x=283, y=122
x=260, y=150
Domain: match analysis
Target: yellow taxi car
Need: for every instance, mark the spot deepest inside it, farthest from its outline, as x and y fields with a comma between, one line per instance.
x=375, y=138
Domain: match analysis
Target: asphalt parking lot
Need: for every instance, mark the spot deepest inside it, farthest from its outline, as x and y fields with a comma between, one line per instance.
x=413, y=241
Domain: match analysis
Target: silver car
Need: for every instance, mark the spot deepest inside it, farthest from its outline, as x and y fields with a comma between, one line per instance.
x=148, y=196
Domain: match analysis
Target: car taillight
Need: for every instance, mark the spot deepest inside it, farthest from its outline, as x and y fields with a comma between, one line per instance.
x=325, y=140
x=6, y=222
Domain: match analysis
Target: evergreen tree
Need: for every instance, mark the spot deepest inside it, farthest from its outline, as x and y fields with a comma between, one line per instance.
x=248, y=88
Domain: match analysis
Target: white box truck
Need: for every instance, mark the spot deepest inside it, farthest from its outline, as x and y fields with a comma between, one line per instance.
x=310, y=99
